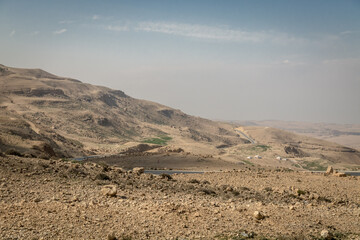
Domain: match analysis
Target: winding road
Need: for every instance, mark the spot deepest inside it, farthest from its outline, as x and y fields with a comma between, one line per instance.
x=245, y=136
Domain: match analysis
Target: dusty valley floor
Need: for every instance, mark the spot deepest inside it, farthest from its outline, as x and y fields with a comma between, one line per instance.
x=55, y=199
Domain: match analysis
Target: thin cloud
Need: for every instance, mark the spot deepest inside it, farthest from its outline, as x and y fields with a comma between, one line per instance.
x=34, y=33
x=95, y=17
x=12, y=33
x=349, y=32
x=61, y=31
x=117, y=28
x=66, y=22
x=222, y=33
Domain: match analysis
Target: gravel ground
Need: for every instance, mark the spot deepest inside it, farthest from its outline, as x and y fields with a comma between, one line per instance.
x=53, y=199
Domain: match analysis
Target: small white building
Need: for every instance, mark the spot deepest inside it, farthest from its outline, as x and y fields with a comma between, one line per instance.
x=258, y=157
x=279, y=158
x=249, y=157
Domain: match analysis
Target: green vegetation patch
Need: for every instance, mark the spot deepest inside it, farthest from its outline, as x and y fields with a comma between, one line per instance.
x=262, y=148
x=161, y=140
x=313, y=166
x=248, y=162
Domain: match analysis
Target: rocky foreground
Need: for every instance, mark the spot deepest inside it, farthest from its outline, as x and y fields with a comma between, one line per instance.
x=54, y=199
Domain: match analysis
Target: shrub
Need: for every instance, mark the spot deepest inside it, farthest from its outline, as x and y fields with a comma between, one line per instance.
x=161, y=140
x=300, y=192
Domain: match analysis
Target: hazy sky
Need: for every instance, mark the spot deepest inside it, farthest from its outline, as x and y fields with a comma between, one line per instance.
x=235, y=60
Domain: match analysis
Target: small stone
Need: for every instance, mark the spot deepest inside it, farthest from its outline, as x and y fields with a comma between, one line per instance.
x=74, y=199
x=111, y=236
x=109, y=190
x=340, y=174
x=138, y=170
x=292, y=208
x=119, y=170
x=329, y=170
x=325, y=234
x=244, y=234
x=258, y=215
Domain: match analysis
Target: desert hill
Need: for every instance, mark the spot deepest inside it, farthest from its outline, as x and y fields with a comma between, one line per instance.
x=286, y=144
x=344, y=134
x=39, y=109
x=43, y=115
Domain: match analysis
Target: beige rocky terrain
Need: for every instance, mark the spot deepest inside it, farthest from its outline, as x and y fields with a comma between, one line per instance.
x=298, y=150
x=46, y=116
x=40, y=111
x=55, y=199
x=253, y=186
x=344, y=134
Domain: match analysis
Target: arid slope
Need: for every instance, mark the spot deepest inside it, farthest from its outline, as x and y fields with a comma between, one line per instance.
x=39, y=109
x=43, y=115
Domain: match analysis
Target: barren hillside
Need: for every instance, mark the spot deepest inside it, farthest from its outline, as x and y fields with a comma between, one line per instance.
x=344, y=134
x=39, y=109
x=46, y=116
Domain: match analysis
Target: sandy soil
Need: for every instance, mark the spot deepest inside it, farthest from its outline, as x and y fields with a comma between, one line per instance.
x=47, y=199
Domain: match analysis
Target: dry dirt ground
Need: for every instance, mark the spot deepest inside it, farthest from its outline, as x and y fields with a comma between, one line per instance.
x=54, y=199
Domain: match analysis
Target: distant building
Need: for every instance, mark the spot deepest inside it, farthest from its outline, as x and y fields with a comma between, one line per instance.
x=249, y=157
x=278, y=158
x=258, y=157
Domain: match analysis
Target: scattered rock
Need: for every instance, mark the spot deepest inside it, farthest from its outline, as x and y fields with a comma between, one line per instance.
x=258, y=215
x=102, y=176
x=194, y=181
x=138, y=170
x=111, y=236
x=326, y=234
x=119, y=170
x=329, y=170
x=205, y=182
x=109, y=190
x=165, y=176
x=340, y=174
